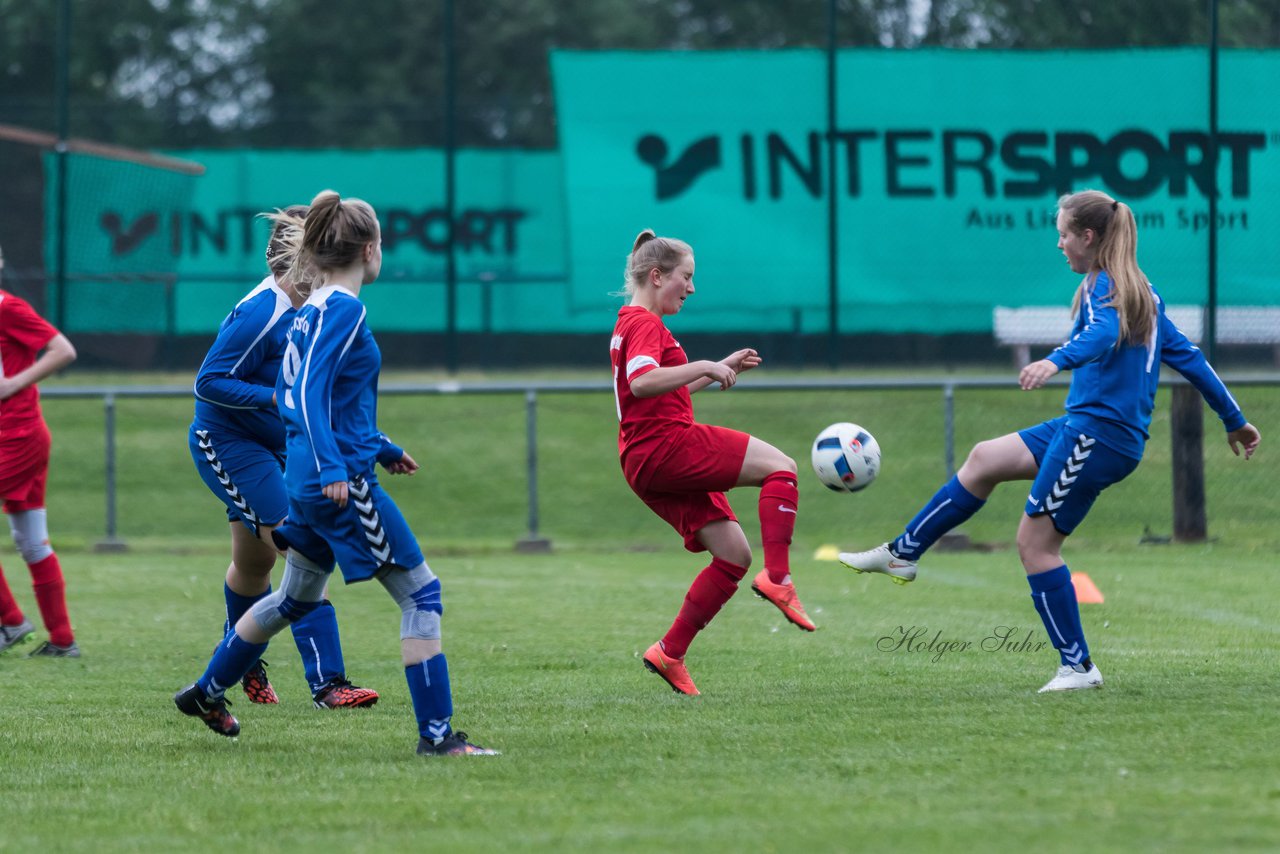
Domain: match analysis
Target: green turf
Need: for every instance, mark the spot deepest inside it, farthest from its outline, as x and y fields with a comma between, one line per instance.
x=839, y=740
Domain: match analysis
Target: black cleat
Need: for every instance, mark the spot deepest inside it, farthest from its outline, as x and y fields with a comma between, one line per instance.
x=453, y=744
x=193, y=701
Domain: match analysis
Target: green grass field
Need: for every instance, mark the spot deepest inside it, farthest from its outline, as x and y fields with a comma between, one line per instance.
x=839, y=740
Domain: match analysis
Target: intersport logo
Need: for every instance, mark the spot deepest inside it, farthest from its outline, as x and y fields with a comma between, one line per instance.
x=924, y=163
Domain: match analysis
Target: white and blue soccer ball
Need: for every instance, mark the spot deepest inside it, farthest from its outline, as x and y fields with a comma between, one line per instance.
x=846, y=457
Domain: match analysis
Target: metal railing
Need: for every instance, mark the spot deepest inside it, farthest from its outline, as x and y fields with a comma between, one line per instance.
x=533, y=541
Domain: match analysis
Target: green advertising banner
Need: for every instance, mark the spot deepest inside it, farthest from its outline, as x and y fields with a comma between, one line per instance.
x=157, y=251
x=948, y=165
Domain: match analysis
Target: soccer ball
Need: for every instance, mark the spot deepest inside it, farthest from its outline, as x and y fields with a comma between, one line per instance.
x=846, y=457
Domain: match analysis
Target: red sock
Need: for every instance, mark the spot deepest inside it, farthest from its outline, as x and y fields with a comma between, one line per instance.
x=10, y=613
x=710, y=590
x=778, y=499
x=51, y=596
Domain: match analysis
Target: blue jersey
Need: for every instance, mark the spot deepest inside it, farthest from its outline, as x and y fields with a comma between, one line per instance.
x=1113, y=388
x=328, y=396
x=235, y=382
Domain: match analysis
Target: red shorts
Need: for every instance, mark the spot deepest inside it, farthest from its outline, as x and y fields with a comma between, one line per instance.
x=685, y=479
x=24, y=467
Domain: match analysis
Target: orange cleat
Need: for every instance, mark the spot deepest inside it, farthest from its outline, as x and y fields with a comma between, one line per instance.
x=341, y=694
x=784, y=597
x=670, y=669
x=257, y=687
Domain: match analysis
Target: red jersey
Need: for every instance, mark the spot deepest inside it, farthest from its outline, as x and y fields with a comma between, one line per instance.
x=23, y=334
x=642, y=342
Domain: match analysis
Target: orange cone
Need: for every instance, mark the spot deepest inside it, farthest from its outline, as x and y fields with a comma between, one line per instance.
x=1086, y=591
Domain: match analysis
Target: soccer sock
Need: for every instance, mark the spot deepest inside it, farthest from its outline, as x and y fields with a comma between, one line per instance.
x=231, y=661
x=778, y=499
x=949, y=507
x=432, y=699
x=1055, y=598
x=238, y=604
x=51, y=597
x=10, y=613
x=710, y=590
x=316, y=636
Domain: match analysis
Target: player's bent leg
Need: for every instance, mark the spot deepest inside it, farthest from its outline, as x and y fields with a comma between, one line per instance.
x=762, y=460
x=994, y=462
x=248, y=579
x=989, y=463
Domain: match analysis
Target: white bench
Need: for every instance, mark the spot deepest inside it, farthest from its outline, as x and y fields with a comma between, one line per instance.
x=1044, y=325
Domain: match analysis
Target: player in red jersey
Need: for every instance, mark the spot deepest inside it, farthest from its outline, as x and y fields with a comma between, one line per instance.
x=24, y=470
x=681, y=468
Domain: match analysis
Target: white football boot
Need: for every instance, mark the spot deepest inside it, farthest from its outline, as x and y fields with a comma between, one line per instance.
x=1070, y=679
x=880, y=559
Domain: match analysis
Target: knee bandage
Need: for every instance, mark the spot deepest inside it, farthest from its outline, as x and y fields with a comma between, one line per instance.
x=417, y=592
x=30, y=529
x=300, y=592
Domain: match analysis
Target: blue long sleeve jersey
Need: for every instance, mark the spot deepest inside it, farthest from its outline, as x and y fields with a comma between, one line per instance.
x=327, y=393
x=238, y=376
x=1113, y=389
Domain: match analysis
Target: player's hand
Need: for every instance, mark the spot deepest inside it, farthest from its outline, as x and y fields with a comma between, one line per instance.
x=719, y=372
x=1036, y=374
x=336, y=492
x=1247, y=437
x=405, y=465
x=743, y=360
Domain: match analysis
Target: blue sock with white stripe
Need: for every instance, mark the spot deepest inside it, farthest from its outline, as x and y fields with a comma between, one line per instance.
x=949, y=507
x=316, y=636
x=432, y=699
x=1055, y=599
x=231, y=661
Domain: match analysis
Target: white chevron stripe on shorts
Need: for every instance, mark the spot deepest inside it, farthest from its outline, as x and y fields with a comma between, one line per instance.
x=370, y=521
x=1070, y=471
x=211, y=456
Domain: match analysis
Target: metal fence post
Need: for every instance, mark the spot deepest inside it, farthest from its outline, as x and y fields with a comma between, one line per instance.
x=110, y=543
x=531, y=542
x=956, y=539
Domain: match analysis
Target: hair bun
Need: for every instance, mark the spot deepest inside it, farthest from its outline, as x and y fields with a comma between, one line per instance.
x=642, y=238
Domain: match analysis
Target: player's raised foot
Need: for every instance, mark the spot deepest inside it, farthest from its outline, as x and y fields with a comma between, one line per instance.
x=784, y=597
x=257, y=687
x=670, y=669
x=49, y=649
x=192, y=701
x=881, y=559
x=1069, y=679
x=341, y=694
x=14, y=635
x=453, y=744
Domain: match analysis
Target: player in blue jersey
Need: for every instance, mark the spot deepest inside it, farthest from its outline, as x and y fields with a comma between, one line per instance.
x=1120, y=337
x=338, y=513
x=237, y=442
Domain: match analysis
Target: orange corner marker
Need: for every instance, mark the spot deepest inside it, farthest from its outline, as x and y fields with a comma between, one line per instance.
x=1086, y=591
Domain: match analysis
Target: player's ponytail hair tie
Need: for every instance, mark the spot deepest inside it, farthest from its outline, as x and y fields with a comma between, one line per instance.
x=1115, y=204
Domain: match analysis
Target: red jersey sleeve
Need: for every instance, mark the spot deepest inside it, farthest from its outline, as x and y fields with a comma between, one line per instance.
x=20, y=325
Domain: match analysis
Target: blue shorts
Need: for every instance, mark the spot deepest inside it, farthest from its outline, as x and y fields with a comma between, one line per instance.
x=362, y=538
x=244, y=475
x=1074, y=469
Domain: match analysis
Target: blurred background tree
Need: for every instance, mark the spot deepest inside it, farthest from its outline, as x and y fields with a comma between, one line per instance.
x=187, y=73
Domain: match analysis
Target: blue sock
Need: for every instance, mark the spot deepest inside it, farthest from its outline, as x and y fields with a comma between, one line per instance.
x=1055, y=599
x=950, y=507
x=231, y=661
x=238, y=605
x=432, y=700
x=316, y=636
